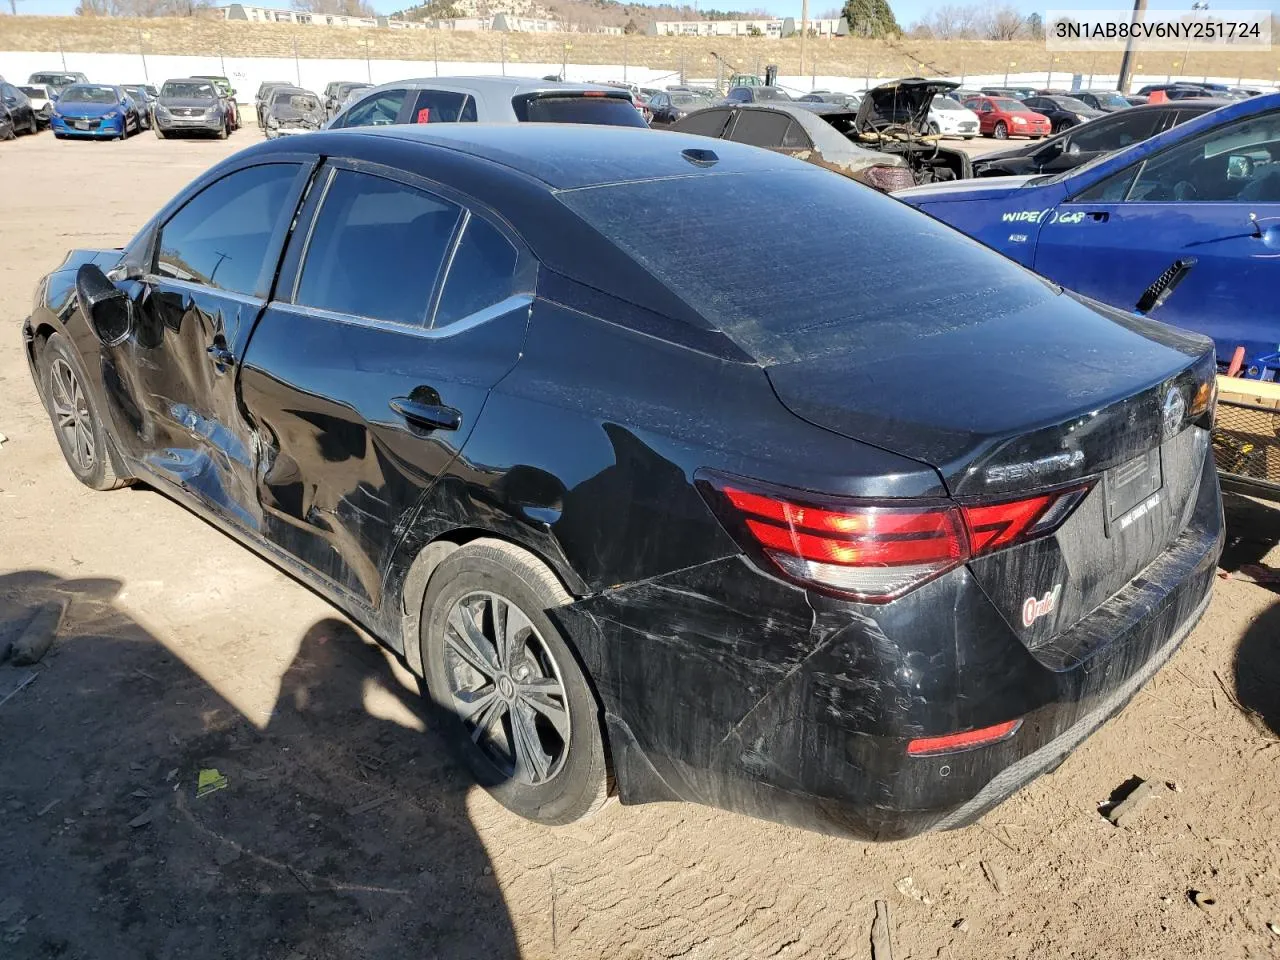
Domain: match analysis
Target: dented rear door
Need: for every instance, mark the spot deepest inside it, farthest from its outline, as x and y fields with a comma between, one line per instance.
x=369, y=369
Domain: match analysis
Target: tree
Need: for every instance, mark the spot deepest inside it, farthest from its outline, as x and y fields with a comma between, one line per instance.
x=1001, y=22
x=871, y=18
x=631, y=27
x=1035, y=26
x=343, y=8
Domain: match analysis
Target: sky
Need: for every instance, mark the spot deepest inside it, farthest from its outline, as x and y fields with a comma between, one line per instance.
x=907, y=11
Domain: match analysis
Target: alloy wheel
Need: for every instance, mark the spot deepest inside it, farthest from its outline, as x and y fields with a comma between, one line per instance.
x=71, y=413
x=506, y=687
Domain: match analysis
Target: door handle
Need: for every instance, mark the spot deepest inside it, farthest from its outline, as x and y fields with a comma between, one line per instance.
x=221, y=356
x=1098, y=216
x=431, y=416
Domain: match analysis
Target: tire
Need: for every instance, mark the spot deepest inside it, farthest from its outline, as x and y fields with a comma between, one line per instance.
x=85, y=444
x=934, y=129
x=567, y=778
x=223, y=132
x=1001, y=131
x=34, y=126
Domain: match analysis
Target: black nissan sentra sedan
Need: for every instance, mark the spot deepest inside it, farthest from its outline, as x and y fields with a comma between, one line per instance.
x=861, y=550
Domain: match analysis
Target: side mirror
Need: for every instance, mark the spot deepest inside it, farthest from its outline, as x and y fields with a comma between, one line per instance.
x=108, y=310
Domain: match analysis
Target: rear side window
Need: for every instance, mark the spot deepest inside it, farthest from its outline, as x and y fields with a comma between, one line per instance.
x=704, y=123
x=760, y=128
x=480, y=275
x=579, y=108
x=377, y=110
x=838, y=281
x=443, y=106
x=376, y=248
x=220, y=238
x=1114, y=134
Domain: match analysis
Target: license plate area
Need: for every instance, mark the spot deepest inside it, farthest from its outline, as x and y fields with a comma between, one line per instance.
x=82, y=124
x=1132, y=489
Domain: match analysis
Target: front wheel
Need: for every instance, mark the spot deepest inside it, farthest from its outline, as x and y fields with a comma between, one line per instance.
x=33, y=127
x=934, y=129
x=76, y=423
x=222, y=131
x=527, y=722
x=1001, y=131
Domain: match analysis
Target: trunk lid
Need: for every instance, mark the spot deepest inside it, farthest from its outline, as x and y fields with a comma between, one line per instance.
x=1025, y=401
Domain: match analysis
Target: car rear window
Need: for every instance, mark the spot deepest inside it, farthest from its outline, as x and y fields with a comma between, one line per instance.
x=578, y=108
x=842, y=280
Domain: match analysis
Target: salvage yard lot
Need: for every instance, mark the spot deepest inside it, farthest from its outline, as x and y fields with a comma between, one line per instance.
x=346, y=831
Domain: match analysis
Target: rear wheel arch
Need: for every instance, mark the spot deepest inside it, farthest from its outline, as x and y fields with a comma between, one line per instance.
x=429, y=558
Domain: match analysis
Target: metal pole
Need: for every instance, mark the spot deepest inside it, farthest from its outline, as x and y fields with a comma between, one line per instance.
x=804, y=30
x=297, y=67
x=564, y=62
x=222, y=62
x=503, y=43
x=624, y=58
x=1126, y=62
x=435, y=48
x=62, y=53
x=142, y=52
x=368, y=67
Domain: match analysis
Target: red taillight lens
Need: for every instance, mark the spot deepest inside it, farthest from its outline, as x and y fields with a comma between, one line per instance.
x=875, y=551
x=955, y=742
x=889, y=179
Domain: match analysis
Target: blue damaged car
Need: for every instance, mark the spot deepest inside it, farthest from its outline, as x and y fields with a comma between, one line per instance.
x=1186, y=224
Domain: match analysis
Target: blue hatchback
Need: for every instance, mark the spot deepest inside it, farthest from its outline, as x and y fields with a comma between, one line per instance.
x=1185, y=226
x=95, y=110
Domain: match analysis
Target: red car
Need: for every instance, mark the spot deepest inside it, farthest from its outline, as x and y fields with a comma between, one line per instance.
x=1004, y=117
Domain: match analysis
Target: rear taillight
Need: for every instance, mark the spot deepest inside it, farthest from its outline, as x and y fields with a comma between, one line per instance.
x=874, y=550
x=888, y=178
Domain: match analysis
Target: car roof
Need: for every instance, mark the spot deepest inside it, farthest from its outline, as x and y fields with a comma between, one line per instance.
x=566, y=156
x=492, y=86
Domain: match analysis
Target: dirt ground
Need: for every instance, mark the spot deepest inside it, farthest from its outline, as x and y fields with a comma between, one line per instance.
x=345, y=831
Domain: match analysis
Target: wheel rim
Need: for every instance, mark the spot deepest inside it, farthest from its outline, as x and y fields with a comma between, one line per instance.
x=71, y=413
x=1001, y=131
x=506, y=687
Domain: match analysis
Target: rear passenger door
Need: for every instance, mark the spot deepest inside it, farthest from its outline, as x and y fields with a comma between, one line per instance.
x=398, y=308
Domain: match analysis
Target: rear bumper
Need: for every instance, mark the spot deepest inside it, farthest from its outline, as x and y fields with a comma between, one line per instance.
x=804, y=716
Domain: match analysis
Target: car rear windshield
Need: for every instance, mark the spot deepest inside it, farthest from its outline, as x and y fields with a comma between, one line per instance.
x=821, y=289
x=85, y=94
x=579, y=108
x=188, y=90
x=35, y=92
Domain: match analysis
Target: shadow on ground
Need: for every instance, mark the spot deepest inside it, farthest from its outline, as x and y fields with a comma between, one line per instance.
x=340, y=835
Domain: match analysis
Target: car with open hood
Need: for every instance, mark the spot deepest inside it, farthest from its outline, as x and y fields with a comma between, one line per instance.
x=802, y=131
x=894, y=118
x=1184, y=225
x=191, y=105
x=97, y=111
x=650, y=495
x=1082, y=143
x=293, y=110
